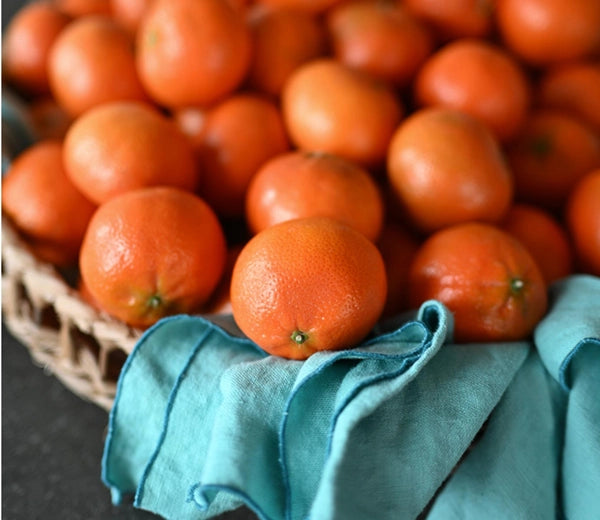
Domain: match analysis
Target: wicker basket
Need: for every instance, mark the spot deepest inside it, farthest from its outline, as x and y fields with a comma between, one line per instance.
x=81, y=346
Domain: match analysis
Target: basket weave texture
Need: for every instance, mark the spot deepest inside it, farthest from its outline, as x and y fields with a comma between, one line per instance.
x=82, y=347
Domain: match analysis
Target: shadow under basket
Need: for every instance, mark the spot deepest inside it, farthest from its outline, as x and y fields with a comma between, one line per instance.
x=83, y=347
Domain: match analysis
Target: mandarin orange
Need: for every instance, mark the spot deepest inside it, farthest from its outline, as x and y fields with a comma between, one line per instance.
x=308, y=285
x=486, y=278
x=44, y=205
x=480, y=78
x=549, y=155
x=192, y=53
x=26, y=45
x=120, y=146
x=382, y=39
x=329, y=107
x=152, y=252
x=306, y=184
x=445, y=167
x=92, y=62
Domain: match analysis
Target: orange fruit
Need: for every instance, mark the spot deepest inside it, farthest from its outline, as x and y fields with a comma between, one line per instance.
x=122, y=146
x=446, y=167
x=544, y=237
x=398, y=247
x=379, y=38
x=80, y=8
x=329, y=107
x=283, y=39
x=542, y=32
x=192, y=53
x=550, y=154
x=239, y=136
x=92, y=62
x=26, y=44
x=582, y=215
x=152, y=252
x=479, y=78
x=129, y=13
x=308, y=184
x=44, y=205
x=308, y=285
x=574, y=88
x=309, y=6
x=486, y=278
x=452, y=19
x=50, y=120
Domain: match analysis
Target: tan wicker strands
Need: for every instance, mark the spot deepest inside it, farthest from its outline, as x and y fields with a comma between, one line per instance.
x=82, y=347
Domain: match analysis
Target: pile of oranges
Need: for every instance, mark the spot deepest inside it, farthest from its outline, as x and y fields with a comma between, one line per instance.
x=312, y=166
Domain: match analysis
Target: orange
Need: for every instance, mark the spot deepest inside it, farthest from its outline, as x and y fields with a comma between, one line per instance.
x=455, y=18
x=80, y=8
x=239, y=136
x=398, y=247
x=573, y=87
x=92, y=62
x=121, y=146
x=129, y=13
x=544, y=237
x=329, y=107
x=44, y=205
x=307, y=184
x=479, y=78
x=152, y=252
x=542, y=32
x=486, y=278
x=583, y=221
x=308, y=285
x=50, y=120
x=283, y=39
x=549, y=155
x=309, y=6
x=26, y=44
x=446, y=167
x=380, y=38
x=192, y=53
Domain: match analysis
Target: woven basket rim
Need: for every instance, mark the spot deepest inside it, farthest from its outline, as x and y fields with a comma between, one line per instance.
x=82, y=346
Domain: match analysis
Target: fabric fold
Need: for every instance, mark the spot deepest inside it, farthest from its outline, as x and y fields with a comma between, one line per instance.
x=512, y=471
x=568, y=340
x=406, y=425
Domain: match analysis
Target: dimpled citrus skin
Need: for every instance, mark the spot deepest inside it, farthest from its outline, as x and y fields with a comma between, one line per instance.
x=152, y=252
x=445, y=167
x=192, y=53
x=122, y=146
x=302, y=184
x=329, y=107
x=485, y=277
x=308, y=285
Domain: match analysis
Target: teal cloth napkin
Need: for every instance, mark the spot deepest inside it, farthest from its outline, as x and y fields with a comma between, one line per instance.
x=407, y=424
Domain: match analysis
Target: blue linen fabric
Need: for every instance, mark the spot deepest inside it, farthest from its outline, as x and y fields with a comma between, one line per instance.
x=406, y=425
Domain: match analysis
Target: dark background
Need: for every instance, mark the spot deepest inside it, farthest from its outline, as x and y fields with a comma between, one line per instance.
x=52, y=441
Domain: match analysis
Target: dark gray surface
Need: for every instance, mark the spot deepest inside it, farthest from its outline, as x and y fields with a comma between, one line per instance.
x=52, y=445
